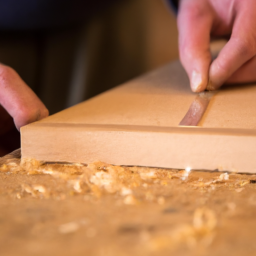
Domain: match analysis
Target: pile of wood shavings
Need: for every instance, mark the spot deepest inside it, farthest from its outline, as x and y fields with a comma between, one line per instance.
x=99, y=178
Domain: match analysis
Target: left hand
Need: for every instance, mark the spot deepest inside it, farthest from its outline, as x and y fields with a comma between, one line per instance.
x=19, y=106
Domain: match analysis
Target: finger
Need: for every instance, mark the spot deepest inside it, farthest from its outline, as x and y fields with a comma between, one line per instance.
x=18, y=99
x=195, y=20
x=245, y=74
x=240, y=48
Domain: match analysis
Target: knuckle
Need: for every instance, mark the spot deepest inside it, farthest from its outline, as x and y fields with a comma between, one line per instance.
x=195, y=11
x=246, y=47
x=221, y=65
x=192, y=12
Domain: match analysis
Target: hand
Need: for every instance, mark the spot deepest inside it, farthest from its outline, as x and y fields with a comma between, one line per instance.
x=198, y=21
x=18, y=106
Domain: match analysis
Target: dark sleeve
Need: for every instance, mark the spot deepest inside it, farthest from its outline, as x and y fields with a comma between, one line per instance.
x=174, y=4
x=44, y=14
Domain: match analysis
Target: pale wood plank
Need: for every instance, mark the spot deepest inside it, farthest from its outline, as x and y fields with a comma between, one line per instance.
x=137, y=124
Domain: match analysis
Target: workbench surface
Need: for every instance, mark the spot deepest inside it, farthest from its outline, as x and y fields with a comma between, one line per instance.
x=102, y=209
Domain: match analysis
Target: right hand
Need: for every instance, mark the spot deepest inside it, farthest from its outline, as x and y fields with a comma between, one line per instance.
x=198, y=21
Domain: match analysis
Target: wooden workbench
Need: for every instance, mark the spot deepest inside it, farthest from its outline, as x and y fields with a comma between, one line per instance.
x=106, y=210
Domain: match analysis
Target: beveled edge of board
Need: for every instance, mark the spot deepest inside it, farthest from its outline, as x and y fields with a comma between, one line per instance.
x=141, y=128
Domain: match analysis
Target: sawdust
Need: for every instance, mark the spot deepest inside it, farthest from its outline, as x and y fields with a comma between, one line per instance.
x=137, y=188
x=200, y=233
x=100, y=178
x=37, y=191
x=68, y=228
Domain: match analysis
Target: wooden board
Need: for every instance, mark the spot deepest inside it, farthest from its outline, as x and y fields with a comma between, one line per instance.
x=137, y=124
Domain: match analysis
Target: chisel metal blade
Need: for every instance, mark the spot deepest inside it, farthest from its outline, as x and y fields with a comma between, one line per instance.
x=197, y=109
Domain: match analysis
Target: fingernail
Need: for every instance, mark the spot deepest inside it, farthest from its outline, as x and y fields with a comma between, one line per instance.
x=196, y=81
